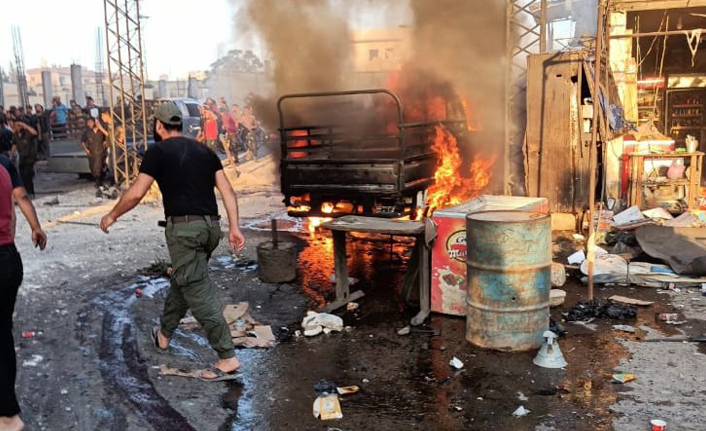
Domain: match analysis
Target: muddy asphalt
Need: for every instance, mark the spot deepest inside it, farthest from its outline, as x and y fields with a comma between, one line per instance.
x=93, y=367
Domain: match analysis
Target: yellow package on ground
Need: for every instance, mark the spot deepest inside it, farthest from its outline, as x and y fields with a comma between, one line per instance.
x=327, y=407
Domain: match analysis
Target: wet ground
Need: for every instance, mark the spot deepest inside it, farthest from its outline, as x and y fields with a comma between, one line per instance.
x=93, y=367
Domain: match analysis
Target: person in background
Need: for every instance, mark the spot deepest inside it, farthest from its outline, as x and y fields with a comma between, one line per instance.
x=250, y=124
x=91, y=108
x=60, y=117
x=209, y=131
x=187, y=174
x=11, y=274
x=230, y=145
x=95, y=145
x=5, y=138
x=24, y=140
x=43, y=132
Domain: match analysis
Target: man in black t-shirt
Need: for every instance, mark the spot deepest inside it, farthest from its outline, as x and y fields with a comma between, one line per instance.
x=187, y=173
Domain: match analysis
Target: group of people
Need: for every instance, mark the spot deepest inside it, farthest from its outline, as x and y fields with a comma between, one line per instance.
x=230, y=128
x=26, y=132
x=192, y=233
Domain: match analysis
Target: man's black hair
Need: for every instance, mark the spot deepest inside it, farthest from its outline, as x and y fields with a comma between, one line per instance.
x=172, y=127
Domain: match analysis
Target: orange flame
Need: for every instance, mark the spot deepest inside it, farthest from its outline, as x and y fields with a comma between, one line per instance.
x=315, y=222
x=450, y=187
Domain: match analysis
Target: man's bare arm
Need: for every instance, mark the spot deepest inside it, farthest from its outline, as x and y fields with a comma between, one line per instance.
x=128, y=200
x=29, y=128
x=230, y=201
x=39, y=238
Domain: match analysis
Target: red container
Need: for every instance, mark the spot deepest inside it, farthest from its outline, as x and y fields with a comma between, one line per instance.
x=448, y=254
x=658, y=425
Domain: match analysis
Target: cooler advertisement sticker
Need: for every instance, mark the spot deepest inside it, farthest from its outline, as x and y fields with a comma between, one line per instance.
x=448, y=289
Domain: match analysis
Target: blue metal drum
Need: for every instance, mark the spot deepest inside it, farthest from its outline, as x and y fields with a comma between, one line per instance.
x=509, y=278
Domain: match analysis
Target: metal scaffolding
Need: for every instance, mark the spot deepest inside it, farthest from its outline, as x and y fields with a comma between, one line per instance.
x=126, y=85
x=99, y=76
x=22, y=92
x=524, y=35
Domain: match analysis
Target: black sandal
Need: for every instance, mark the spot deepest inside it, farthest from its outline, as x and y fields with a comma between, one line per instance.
x=221, y=376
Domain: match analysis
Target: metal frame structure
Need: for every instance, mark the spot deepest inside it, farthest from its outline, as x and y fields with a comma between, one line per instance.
x=22, y=92
x=99, y=74
x=523, y=36
x=123, y=40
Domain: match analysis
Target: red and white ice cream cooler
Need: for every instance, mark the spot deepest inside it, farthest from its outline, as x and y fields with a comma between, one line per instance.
x=448, y=254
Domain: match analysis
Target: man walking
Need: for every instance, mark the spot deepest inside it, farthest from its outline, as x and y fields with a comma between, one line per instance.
x=187, y=173
x=10, y=280
x=94, y=145
x=44, y=134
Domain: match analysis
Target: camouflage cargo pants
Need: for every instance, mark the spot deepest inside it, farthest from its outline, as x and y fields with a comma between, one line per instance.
x=190, y=246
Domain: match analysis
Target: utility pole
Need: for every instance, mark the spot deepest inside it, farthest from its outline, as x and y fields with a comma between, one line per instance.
x=593, y=156
x=22, y=93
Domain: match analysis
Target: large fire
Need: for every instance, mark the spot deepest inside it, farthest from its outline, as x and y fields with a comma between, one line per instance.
x=315, y=222
x=451, y=186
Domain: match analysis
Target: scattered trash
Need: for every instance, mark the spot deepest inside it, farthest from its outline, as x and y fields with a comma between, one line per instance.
x=658, y=425
x=366, y=381
x=556, y=297
x=522, y=397
x=428, y=331
x=352, y=306
x=165, y=370
x=681, y=248
x=52, y=202
x=327, y=407
x=138, y=293
x=33, y=361
x=556, y=328
x=630, y=301
x=322, y=387
x=586, y=310
x=456, y=363
x=623, y=377
x=314, y=323
x=624, y=328
x=348, y=390
x=351, y=280
x=659, y=213
x=245, y=331
x=521, y=412
x=31, y=334
x=577, y=258
x=63, y=392
x=549, y=355
x=404, y=331
x=607, y=268
x=629, y=215
x=558, y=275
x=667, y=317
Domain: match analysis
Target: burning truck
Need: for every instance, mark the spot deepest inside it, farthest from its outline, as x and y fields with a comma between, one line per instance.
x=364, y=152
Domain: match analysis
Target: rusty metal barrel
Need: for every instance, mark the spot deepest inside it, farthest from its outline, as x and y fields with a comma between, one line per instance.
x=509, y=278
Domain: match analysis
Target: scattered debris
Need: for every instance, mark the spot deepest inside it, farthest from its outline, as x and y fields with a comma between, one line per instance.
x=576, y=258
x=658, y=213
x=629, y=301
x=556, y=297
x=351, y=280
x=314, y=323
x=52, y=202
x=327, y=407
x=658, y=425
x=608, y=268
x=64, y=392
x=31, y=334
x=245, y=331
x=522, y=397
x=352, y=306
x=556, y=328
x=348, y=390
x=682, y=248
x=629, y=215
x=624, y=328
x=623, y=377
x=456, y=363
x=138, y=293
x=404, y=331
x=586, y=310
x=322, y=387
x=549, y=355
x=558, y=275
x=33, y=361
x=521, y=412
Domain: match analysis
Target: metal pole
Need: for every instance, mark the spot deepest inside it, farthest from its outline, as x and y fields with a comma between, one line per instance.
x=509, y=49
x=593, y=150
x=657, y=33
x=543, y=27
